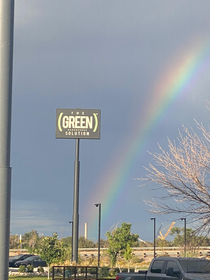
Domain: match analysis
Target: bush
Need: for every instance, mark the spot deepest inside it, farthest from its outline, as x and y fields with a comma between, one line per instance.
x=103, y=271
x=117, y=270
x=58, y=271
x=30, y=268
x=82, y=270
x=40, y=269
x=92, y=271
x=22, y=268
x=113, y=271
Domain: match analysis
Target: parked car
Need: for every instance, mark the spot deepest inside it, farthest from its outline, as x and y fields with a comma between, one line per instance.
x=21, y=257
x=36, y=261
x=171, y=268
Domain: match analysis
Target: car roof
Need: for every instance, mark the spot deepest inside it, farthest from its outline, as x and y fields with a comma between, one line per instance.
x=177, y=258
x=32, y=257
x=19, y=256
x=29, y=256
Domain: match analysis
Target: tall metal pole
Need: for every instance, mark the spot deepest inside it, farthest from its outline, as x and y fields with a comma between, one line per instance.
x=6, y=63
x=76, y=204
x=99, y=230
x=154, y=235
x=71, y=222
x=185, y=239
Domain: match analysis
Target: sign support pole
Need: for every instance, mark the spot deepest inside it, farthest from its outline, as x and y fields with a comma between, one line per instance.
x=77, y=124
x=76, y=204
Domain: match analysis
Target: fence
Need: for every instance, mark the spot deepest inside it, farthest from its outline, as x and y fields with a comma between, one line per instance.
x=76, y=273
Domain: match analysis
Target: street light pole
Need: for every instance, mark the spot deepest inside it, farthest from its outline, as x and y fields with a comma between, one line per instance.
x=185, y=240
x=154, y=233
x=99, y=230
x=6, y=65
x=71, y=222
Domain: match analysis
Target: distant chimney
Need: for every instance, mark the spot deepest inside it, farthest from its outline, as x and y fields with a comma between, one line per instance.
x=86, y=230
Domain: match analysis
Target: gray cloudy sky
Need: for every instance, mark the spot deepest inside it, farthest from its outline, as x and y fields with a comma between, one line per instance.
x=145, y=64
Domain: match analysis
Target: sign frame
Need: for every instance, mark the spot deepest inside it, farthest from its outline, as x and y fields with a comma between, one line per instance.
x=78, y=123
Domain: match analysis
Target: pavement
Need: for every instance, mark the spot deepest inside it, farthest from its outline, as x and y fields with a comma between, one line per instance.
x=13, y=269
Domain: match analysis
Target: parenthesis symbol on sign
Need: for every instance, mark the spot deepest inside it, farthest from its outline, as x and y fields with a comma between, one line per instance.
x=96, y=122
x=59, y=121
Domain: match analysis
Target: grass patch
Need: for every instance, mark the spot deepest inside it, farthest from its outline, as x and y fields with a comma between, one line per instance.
x=28, y=277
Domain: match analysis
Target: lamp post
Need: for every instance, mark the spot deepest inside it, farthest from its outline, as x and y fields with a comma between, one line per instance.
x=71, y=222
x=154, y=233
x=6, y=65
x=21, y=243
x=185, y=240
x=99, y=230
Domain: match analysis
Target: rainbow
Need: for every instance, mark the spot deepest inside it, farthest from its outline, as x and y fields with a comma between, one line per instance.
x=178, y=78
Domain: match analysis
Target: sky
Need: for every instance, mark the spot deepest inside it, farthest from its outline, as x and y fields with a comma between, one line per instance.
x=144, y=64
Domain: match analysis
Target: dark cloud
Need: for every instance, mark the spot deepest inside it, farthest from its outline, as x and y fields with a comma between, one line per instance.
x=108, y=55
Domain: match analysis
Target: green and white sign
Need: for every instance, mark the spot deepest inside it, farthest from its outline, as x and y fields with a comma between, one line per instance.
x=78, y=123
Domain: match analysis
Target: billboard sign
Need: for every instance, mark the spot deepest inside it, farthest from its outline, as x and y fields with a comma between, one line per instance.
x=78, y=123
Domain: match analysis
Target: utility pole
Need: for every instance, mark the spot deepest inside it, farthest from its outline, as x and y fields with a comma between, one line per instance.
x=185, y=239
x=71, y=222
x=99, y=230
x=6, y=63
x=154, y=235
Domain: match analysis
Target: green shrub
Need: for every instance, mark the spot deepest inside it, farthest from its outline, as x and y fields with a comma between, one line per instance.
x=58, y=271
x=92, y=271
x=103, y=271
x=113, y=271
x=22, y=268
x=82, y=270
x=40, y=269
x=117, y=270
x=30, y=268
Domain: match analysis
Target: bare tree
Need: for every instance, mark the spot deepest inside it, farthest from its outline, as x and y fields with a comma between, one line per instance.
x=183, y=172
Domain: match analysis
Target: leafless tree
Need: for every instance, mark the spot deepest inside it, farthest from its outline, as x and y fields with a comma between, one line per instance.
x=183, y=172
